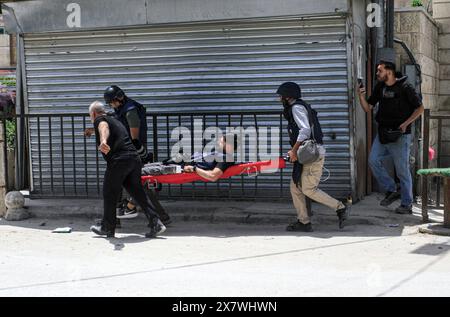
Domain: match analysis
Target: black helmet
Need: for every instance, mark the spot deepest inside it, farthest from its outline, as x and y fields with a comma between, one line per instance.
x=113, y=92
x=290, y=89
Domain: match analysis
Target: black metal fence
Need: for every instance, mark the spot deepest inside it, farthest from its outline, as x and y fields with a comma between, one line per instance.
x=433, y=130
x=63, y=163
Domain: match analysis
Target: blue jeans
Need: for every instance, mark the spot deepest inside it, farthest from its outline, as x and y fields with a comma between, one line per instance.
x=399, y=152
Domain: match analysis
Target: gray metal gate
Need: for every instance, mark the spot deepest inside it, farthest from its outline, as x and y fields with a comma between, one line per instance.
x=190, y=68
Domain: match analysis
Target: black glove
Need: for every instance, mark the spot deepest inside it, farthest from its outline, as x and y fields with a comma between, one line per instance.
x=141, y=149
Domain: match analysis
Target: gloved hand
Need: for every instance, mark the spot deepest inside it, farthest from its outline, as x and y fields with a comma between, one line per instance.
x=142, y=150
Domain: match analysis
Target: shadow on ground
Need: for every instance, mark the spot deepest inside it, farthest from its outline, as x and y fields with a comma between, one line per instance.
x=228, y=219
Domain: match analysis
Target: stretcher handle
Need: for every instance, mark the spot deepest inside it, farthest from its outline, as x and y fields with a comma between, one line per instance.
x=249, y=171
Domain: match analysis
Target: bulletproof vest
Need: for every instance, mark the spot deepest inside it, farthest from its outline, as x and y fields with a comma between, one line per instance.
x=393, y=103
x=121, y=112
x=293, y=128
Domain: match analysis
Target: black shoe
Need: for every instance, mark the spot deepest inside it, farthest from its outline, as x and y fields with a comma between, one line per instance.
x=298, y=226
x=102, y=232
x=403, y=210
x=342, y=215
x=156, y=228
x=390, y=198
x=165, y=219
x=99, y=222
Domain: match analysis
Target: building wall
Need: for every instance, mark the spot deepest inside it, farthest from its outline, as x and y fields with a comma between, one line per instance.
x=441, y=12
x=427, y=4
x=5, y=57
x=419, y=31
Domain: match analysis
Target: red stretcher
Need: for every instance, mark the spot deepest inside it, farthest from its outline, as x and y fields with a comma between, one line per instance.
x=250, y=169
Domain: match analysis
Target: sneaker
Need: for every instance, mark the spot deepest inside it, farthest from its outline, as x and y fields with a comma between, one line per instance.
x=342, y=215
x=404, y=210
x=102, y=232
x=127, y=213
x=156, y=228
x=298, y=226
x=165, y=219
x=390, y=198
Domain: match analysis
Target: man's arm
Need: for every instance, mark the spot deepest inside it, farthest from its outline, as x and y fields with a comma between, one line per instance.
x=213, y=175
x=416, y=114
x=301, y=118
x=134, y=123
x=103, y=130
x=363, y=101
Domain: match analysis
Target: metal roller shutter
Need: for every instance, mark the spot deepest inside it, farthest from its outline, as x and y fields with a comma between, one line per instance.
x=190, y=67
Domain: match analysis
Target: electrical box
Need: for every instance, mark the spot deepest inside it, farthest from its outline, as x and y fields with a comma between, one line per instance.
x=411, y=72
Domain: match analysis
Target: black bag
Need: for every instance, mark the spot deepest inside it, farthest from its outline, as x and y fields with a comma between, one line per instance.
x=388, y=135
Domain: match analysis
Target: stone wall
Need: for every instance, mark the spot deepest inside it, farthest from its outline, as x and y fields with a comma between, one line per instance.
x=427, y=4
x=419, y=31
x=441, y=13
x=5, y=48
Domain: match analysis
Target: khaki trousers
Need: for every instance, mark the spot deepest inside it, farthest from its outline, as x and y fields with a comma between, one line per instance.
x=308, y=186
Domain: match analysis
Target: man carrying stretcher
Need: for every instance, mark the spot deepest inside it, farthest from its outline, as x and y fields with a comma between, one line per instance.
x=123, y=169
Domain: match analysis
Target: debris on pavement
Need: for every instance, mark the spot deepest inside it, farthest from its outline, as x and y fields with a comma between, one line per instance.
x=63, y=230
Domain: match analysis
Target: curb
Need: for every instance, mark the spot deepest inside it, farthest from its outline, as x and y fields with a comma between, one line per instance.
x=435, y=229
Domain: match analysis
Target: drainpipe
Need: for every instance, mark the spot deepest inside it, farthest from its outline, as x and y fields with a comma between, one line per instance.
x=390, y=23
x=381, y=30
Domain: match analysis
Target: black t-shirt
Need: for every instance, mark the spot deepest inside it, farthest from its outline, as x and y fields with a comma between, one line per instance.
x=119, y=141
x=396, y=103
x=224, y=165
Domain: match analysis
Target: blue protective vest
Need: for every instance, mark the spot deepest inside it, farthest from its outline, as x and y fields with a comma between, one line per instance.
x=121, y=115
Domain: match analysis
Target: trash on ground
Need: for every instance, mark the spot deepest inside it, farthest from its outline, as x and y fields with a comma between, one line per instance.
x=63, y=230
x=393, y=225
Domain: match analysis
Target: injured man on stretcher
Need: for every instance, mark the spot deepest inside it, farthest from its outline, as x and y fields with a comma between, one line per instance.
x=210, y=167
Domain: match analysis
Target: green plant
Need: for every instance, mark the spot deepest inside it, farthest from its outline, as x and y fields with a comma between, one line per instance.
x=417, y=3
x=10, y=134
x=8, y=81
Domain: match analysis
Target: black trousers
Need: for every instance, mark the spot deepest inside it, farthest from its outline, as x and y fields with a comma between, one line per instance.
x=124, y=173
x=159, y=209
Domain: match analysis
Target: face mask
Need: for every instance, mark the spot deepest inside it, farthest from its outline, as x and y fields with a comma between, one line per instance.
x=285, y=103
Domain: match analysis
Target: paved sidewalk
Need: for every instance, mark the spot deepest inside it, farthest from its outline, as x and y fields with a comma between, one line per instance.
x=222, y=259
x=366, y=212
x=223, y=249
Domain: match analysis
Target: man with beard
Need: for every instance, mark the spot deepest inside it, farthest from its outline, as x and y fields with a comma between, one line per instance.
x=399, y=106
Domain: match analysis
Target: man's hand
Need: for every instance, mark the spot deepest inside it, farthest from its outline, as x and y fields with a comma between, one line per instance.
x=104, y=148
x=293, y=156
x=403, y=127
x=88, y=132
x=188, y=169
x=361, y=91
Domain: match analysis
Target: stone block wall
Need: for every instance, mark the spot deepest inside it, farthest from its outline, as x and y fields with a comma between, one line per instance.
x=5, y=48
x=420, y=32
x=441, y=13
